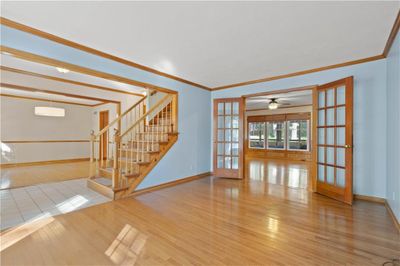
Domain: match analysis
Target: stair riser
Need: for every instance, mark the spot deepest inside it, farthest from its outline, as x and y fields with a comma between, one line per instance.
x=165, y=128
x=105, y=173
x=131, y=168
x=152, y=137
x=145, y=146
x=128, y=154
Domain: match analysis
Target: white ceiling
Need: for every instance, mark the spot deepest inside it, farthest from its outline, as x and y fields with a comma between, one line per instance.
x=219, y=43
x=285, y=100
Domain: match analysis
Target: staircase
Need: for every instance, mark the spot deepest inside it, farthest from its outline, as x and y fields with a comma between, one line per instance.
x=139, y=139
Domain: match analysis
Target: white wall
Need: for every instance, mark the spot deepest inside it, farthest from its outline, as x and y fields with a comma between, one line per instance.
x=369, y=117
x=393, y=127
x=18, y=122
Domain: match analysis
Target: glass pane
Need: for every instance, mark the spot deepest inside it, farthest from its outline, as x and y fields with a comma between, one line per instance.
x=321, y=155
x=330, y=157
x=321, y=118
x=220, y=150
x=340, y=157
x=330, y=97
x=321, y=135
x=340, y=177
x=235, y=162
x=256, y=135
x=228, y=108
x=235, y=148
x=340, y=116
x=220, y=122
x=227, y=162
x=220, y=135
x=235, y=108
x=227, y=149
x=341, y=95
x=321, y=173
x=298, y=135
x=330, y=138
x=228, y=135
x=235, y=135
x=330, y=117
x=340, y=136
x=276, y=135
x=220, y=162
x=330, y=173
x=220, y=108
x=227, y=122
x=235, y=122
x=321, y=99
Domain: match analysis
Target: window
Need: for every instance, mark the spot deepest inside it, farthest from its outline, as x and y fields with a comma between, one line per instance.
x=257, y=135
x=276, y=135
x=297, y=135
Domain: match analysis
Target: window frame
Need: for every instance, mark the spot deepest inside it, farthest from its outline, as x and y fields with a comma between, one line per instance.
x=248, y=134
x=283, y=131
x=288, y=133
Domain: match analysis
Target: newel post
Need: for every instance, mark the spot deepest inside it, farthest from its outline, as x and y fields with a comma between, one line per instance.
x=115, y=174
x=175, y=112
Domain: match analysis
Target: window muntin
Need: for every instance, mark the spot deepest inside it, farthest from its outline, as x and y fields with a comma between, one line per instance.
x=257, y=135
x=297, y=135
x=276, y=135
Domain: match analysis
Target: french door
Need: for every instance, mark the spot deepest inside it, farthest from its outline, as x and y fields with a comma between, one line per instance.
x=333, y=104
x=228, y=138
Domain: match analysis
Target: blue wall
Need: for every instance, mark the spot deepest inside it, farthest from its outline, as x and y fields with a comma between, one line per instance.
x=369, y=117
x=191, y=154
x=393, y=127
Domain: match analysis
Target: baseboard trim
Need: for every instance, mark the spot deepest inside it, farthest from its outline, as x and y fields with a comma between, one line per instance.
x=370, y=198
x=8, y=165
x=380, y=201
x=395, y=221
x=170, y=184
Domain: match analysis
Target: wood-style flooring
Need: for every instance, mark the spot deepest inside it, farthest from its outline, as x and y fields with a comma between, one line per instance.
x=22, y=176
x=211, y=221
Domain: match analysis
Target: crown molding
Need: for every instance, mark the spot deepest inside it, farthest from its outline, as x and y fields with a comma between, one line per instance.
x=18, y=26
x=392, y=35
x=24, y=72
x=46, y=100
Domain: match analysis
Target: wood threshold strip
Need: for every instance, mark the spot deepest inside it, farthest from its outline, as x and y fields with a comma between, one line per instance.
x=44, y=141
x=47, y=100
x=24, y=88
x=51, y=37
x=84, y=70
x=9, y=165
x=170, y=184
x=24, y=72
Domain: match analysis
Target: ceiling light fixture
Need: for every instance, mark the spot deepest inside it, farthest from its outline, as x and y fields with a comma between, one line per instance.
x=62, y=70
x=49, y=111
x=273, y=104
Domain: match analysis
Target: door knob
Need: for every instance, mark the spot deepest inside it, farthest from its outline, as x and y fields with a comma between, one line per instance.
x=348, y=146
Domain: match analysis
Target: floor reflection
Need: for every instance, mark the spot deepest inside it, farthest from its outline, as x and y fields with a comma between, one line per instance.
x=279, y=172
x=126, y=247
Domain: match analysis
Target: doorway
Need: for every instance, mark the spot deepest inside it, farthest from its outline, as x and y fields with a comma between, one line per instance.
x=303, y=128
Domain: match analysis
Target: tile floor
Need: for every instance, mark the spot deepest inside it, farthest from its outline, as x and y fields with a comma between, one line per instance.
x=22, y=205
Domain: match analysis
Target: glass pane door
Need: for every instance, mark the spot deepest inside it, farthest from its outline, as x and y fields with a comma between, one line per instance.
x=227, y=137
x=334, y=139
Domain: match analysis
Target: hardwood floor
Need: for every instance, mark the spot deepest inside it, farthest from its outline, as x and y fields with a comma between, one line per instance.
x=211, y=221
x=21, y=176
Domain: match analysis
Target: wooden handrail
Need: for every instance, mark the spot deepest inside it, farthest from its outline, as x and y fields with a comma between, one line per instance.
x=147, y=113
x=120, y=117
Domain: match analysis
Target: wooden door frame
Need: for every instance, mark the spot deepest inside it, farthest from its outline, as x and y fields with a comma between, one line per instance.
x=241, y=170
x=313, y=127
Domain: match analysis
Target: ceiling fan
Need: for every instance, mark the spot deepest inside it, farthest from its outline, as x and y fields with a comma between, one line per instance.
x=273, y=103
